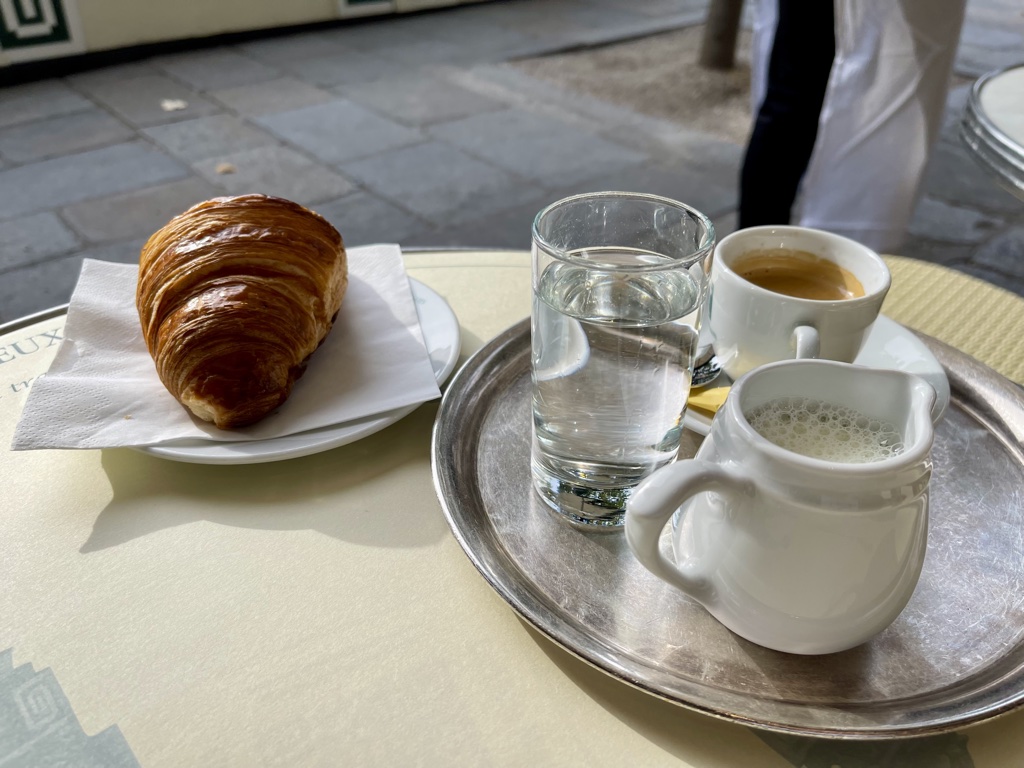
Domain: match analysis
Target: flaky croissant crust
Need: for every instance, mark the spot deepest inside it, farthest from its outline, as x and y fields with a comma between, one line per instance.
x=234, y=295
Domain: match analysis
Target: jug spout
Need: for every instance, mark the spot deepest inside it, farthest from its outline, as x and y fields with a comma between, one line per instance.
x=924, y=397
x=903, y=399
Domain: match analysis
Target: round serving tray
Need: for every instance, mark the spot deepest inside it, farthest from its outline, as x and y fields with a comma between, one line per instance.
x=954, y=656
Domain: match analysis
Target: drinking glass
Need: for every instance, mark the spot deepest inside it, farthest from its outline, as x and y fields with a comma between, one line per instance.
x=619, y=281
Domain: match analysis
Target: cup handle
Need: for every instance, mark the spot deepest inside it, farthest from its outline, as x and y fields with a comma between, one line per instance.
x=652, y=505
x=807, y=342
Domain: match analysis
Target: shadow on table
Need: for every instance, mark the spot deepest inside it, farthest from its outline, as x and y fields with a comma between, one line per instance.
x=690, y=735
x=948, y=750
x=328, y=492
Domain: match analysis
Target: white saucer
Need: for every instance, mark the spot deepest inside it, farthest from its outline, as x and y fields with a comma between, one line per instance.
x=441, y=335
x=889, y=346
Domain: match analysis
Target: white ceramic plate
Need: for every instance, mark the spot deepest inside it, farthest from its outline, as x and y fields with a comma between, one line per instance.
x=890, y=346
x=441, y=335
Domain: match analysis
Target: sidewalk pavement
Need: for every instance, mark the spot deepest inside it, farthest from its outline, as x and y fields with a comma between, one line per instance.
x=410, y=129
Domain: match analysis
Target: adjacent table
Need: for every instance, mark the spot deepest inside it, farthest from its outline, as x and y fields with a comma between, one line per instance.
x=993, y=126
x=318, y=611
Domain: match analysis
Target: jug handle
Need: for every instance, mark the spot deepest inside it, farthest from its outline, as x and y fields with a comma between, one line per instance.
x=806, y=342
x=654, y=502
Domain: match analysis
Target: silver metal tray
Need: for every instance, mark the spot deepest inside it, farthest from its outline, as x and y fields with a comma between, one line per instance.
x=954, y=656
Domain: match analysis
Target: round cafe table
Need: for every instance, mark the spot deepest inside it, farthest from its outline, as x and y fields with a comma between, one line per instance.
x=318, y=611
x=992, y=127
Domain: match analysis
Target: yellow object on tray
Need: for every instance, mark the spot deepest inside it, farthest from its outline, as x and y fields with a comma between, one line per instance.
x=708, y=400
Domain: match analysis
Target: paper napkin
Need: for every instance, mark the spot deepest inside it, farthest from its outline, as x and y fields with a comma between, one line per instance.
x=102, y=389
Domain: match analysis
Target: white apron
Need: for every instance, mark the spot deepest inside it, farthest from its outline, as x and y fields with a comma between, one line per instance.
x=881, y=116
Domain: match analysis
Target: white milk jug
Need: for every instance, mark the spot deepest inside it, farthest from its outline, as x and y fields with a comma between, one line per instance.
x=797, y=553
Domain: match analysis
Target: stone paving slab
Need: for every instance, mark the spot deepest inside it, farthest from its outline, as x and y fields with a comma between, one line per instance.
x=364, y=219
x=985, y=46
x=34, y=101
x=713, y=192
x=213, y=69
x=697, y=150
x=510, y=228
x=345, y=66
x=505, y=228
x=640, y=28
x=274, y=170
x=657, y=8
x=136, y=214
x=471, y=33
x=539, y=148
x=137, y=100
x=519, y=90
x=280, y=95
x=1004, y=252
x=36, y=287
x=338, y=131
x=946, y=254
x=627, y=127
x=63, y=180
x=439, y=183
x=565, y=20
x=455, y=46
x=373, y=34
x=427, y=52
x=29, y=239
x=420, y=99
x=936, y=220
x=206, y=137
x=481, y=36
x=61, y=135
x=715, y=196
x=975, y=61
x=956, y=102
x=86, y=80
x=954, y=177
x=282, y=49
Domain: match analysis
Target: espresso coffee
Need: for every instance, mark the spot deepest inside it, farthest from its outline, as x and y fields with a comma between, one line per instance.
x=798, y=273
x=825, y=431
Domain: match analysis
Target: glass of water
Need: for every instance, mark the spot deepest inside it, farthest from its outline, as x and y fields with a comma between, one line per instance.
x=619, y=281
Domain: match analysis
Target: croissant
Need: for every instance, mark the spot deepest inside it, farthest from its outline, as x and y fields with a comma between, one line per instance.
x=234, y=295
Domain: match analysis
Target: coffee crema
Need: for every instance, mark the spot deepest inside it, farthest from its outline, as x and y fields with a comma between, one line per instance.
x=825, y=431
x=800, y=274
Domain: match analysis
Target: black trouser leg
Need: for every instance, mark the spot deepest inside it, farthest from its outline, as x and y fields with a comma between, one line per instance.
x=787, y=123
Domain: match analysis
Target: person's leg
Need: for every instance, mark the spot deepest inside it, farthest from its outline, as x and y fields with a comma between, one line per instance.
x=784, y=132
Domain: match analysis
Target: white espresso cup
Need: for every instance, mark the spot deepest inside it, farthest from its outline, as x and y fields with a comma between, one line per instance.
x=752, y=325
x=796, y=552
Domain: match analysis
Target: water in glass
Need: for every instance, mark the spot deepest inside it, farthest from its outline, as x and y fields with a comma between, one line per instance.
x=613, y=349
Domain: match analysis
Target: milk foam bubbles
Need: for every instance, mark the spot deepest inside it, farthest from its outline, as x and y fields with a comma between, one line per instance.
x=821, y=430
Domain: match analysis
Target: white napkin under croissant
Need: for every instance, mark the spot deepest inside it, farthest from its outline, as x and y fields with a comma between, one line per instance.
x=102, y=389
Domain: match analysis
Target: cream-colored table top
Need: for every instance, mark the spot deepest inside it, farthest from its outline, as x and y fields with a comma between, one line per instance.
x=1002, y=98
x=319, y=612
